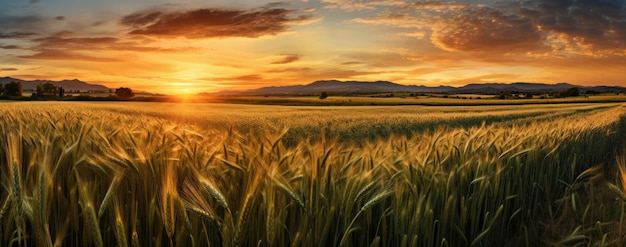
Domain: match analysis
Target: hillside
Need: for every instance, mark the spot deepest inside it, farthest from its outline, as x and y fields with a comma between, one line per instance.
x=68, y=85
x=361, y=87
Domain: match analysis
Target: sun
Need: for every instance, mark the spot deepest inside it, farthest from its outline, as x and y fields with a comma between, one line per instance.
x=184, y=91
x=180, y=88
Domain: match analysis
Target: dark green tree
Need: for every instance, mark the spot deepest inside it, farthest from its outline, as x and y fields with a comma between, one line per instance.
x=570, y=92
x=323, y=95
x=61, y=92
x=50, y=89
x=124, y=93
x=39, y=90
x=13, y=88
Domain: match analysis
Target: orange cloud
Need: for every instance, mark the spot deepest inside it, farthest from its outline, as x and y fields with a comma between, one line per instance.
x=252, y=77
x=287, y=58
x=66, y=55
x=551, y=28
x=355, y=5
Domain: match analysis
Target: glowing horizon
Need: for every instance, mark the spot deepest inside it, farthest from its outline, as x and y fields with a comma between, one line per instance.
x=191, y=46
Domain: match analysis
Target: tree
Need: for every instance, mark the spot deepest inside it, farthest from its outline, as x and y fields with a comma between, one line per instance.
x=571, y=92
x=39, y=92
x=13, y=88
x=124, y=93
x=61, y=92
x=50, y=89
x=323, y=95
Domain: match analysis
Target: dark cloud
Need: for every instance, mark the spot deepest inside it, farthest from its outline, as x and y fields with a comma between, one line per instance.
x=532, y=27
x=9, y=47
x=59, y=18
x=479, y=28
x=16, y=35
x=8, y=69
x=601, y=24
x=287, y=58
x=214, y=23
x=33, y=1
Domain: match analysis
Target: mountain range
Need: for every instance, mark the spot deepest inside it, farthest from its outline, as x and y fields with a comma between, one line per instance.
x=68, y=85
x=350, y=87
x=363, y=87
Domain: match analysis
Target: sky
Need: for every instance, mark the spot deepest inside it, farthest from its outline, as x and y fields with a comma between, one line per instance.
x=191, y=46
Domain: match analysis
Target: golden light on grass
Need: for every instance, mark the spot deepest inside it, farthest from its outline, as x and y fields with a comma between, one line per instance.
x=128, y=174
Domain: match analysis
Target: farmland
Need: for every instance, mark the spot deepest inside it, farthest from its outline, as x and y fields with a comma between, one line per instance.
x=161, y=174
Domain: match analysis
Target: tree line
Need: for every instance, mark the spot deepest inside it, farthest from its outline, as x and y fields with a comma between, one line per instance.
x=49, y=90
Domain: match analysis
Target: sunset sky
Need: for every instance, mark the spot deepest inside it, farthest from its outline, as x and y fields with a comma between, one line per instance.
x=170, y=46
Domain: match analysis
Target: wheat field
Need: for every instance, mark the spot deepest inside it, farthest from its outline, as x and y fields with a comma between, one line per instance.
x=157, y=174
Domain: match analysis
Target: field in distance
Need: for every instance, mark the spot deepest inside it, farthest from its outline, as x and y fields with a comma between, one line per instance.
x=406, y=99
x=198, y=174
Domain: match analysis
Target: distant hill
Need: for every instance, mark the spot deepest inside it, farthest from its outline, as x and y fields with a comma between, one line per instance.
x=361, y=87
x=68, y=85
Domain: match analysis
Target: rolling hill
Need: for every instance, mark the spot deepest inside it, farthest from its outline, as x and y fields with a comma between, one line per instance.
x=362, y=87
x=68, y=85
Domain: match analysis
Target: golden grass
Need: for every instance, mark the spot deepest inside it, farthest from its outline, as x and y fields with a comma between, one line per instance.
x=120, y=175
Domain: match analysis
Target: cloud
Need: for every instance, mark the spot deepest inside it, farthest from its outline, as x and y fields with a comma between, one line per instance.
x=251, y=77
x=382, y=59
x=9, y=47
x=61, y=47
x=535, y=28
x=8, y=69
x=59, y=42
x=600, y=25
x=50, y=54
x=485, y=28
x=311, y=74
x=246, y=81
x=214, y=23
x=16, y=35
x=287, y=58
x=356, y=5
x=59, y=18
x=74, y=48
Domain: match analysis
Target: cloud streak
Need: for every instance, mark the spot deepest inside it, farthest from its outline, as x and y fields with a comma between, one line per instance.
x=356, y=5
x=287, y=58
x=9, y=47
x=214, y=23
x=16, y=35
